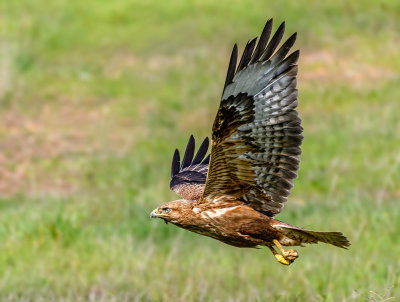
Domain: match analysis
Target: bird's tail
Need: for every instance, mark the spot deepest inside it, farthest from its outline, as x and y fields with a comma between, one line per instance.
x=306, y=236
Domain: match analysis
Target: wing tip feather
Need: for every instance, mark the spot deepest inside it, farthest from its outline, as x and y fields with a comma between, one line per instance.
x=232, y=66
x=189, y=152
x=175, y=167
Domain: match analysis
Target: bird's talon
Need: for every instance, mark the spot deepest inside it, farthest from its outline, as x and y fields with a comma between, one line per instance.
x=282, y=259
x=291, y=255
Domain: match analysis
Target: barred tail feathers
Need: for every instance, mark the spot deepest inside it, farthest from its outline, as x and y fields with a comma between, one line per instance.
x=306, y=236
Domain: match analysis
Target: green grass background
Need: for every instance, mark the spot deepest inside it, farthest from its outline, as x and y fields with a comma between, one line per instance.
x=95, y=96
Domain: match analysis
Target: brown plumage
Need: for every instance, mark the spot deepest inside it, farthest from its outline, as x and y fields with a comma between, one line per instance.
x=233, y=194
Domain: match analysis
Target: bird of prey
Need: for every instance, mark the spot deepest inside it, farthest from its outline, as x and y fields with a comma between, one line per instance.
x=234, y=193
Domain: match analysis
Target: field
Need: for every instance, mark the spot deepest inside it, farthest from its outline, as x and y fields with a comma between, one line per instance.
x=96, y=95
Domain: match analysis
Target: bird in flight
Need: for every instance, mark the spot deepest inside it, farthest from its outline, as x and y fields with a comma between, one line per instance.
x=234, y=193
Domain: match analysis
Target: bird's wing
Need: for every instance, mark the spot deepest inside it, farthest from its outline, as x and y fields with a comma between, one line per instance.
x=188, y=180
x=257, y=132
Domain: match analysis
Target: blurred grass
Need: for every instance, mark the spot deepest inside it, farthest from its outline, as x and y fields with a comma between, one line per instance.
x=96, y=95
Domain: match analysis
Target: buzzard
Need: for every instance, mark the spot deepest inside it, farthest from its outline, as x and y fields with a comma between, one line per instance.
x=234, y=193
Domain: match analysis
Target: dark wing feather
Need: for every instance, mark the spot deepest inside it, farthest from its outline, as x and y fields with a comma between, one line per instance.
x=188, y=180
x=232, y=66
x=262, y=43
x=257, y=132
x=247, y=54
x=176, y=163
x=189, y=152
x=201, y=152
x=276, y=39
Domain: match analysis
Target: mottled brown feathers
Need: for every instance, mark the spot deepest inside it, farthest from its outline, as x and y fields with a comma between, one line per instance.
x=257, y=132
x=233, y=193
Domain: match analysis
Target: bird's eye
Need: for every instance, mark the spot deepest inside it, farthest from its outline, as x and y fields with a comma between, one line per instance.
x=166, y=210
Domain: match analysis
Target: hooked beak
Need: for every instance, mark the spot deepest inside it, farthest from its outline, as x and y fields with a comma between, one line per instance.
x=153, y=214
x=156, y=214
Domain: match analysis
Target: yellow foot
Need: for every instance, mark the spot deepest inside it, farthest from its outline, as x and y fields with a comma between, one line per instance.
x=290, y=255
x=282, y=260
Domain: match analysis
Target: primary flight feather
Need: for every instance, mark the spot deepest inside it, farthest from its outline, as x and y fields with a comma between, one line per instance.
x=233, y=193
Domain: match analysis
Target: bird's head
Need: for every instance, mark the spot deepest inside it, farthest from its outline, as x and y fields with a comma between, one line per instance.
x=172, y=211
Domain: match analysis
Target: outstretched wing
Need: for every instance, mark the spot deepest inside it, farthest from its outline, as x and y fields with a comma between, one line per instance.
x=188, y=180
x=257, y=133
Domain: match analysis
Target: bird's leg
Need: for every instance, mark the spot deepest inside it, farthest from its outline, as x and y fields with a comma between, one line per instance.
x=290, y=255
x=279, y=257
